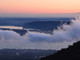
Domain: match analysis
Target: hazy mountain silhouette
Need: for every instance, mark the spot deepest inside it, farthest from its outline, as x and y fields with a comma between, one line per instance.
x=70, y=53
x=20, y=32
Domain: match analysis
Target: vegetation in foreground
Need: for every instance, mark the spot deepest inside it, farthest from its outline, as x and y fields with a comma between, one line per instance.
x=70, y=53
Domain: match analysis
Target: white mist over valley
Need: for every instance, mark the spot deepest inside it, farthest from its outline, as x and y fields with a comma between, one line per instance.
x=60, y=38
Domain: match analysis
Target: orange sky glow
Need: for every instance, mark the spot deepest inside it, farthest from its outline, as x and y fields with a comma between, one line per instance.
x=39, y=6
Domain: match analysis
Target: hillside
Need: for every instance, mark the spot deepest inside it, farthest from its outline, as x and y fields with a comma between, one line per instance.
x=70, y=53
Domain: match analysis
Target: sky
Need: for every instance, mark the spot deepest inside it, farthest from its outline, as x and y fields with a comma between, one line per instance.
x=38, y=7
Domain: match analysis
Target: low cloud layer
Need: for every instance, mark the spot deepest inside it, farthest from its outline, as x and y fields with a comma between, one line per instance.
x=10, y=39
x=34, y=40
x=67, y=33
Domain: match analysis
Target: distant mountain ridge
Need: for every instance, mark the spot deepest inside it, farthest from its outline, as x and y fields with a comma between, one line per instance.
x=22, y=21
x=43, y=25
x=70, y=53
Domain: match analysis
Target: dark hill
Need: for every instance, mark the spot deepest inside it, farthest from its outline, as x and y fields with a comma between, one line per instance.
x=70, y=53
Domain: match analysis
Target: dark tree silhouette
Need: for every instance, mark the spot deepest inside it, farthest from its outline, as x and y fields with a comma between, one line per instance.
x=70, y=53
